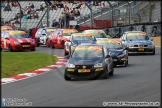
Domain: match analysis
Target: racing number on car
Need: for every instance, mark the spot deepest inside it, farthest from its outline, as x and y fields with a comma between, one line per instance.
x=58, y=40
x=5, y=42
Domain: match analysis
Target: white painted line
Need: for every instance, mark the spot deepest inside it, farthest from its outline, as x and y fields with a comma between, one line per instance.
x=8, y=80
x=57, y=66
x=43, y=69
x=28, y=74
x=61, y=63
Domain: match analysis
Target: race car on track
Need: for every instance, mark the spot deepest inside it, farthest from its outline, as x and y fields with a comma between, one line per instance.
x=16, y=40
x=3, y=28
x=138, y=42
x=42, y=34
x=116, y=50
x=58, y=38
x=89, y=62
x=99, y=34
x=76, y=39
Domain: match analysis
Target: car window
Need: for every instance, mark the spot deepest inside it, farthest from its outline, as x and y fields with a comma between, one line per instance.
x=18, y=34
x=43, y=31
x=6, y=35
x=76, y=38
x=88, y=52
x=39, y=31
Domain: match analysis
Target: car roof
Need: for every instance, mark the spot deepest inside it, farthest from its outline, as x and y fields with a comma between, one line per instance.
x=134, y=32
x=89, y=45
x=84, y=34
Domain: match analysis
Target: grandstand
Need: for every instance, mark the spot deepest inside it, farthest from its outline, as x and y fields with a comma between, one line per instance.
x=139, y=12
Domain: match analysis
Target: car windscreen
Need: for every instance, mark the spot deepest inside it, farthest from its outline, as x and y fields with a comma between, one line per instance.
x=111, y=45
x=78, y=38
x=18, y=35
x=99, y=35
x=137, y=36
x=87, y=52
x=69, y=32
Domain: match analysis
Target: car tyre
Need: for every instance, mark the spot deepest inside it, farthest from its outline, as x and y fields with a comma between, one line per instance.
x=153, y=53
x=51, y=44
x=10, y=48
x=32, y=49
x=63, y=45
x=112, y=71
x=66, y=77
x=106, y=73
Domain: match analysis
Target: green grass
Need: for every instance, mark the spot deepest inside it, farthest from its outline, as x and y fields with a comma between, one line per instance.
x=13, y=63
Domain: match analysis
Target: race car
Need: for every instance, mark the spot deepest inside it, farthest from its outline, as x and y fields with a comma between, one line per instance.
x=3, y=28
x=138, y=42
x=99, y=34
x=89, y=62
x=13, y=40
x=76, y=39
x=42, y=35
x=116, y=50
x=59, y=37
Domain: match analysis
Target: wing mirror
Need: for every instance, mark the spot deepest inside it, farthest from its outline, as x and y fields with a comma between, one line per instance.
x=6, y=38
x=107, y=56
x=123, y=40
x=67, y=57
x=151, y=39
x=107, y=36
x=126, y=48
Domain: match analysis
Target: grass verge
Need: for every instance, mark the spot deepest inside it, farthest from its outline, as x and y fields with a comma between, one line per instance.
x=13, y=63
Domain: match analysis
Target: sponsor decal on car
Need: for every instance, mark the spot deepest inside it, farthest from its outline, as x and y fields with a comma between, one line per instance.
x=137, y=34
x=95, y=48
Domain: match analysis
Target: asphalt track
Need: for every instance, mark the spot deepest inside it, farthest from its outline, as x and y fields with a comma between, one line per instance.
x=138, y=82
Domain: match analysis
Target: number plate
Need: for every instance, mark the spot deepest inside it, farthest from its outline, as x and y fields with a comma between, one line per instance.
x=114, y=59
x=83, y=70
x=26, y=45
x=140, y=49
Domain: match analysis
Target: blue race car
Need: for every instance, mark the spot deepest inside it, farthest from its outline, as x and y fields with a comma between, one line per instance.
x=77, y=39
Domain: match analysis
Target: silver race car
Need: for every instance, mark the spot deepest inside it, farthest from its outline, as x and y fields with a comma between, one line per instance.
x=138, y=42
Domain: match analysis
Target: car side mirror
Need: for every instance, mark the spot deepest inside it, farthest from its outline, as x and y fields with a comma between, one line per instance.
x=67, y=57
x=43, y=34
x=107, y=56
x=151, y=39
x=126, y=48
x=6, y=38
x=123, y=40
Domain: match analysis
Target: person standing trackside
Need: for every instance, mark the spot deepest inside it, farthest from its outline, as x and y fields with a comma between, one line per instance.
x=143, y=28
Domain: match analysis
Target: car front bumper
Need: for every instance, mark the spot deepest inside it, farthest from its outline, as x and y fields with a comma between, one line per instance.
x=119, y=61
x=146, y=50
x=74, y=73
x=24, y=47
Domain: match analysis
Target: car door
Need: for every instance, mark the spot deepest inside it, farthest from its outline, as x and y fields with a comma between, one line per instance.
x=123, y=39
x=6, y=40
x=107, y=60
x=2, y=39
x=59, y=38
x=54, y=37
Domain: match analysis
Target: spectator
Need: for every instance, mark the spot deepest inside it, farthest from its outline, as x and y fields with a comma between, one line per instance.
x=102, y=5
x=54, y=23
x=143, y=28
x=62, y=15
x=77, y=13
x=28, y=10
x=2, y=22
x=29, y=16
x=41, y=8
x=32, y=6
x=15, y=3
x=36, y=15
x=44, y=24
x=53, y=7
x=2, y=4
x=71, y=17
x=17, y=22
x=7, y=8
x=25, y=17
x=29, y=5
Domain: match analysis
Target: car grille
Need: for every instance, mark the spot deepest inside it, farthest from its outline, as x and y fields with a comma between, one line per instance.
x=145, y=45
x=87, y=66
x=135, y=45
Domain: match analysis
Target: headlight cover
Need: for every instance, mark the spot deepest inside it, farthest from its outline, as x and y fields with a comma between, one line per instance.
x=98, y=65
x=120, y=55
x=151, y=45
x=69, y=65
x=17, y=43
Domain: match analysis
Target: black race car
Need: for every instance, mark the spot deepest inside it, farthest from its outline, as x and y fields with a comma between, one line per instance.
x=89, y=62
x=116, y=50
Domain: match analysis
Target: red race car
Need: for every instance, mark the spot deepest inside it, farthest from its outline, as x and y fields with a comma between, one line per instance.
x=3, y=28
x=59, y=37
x=16, y=40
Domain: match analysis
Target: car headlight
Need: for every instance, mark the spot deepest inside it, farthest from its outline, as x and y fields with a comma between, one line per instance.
x=111, y=53
x=120, y=55
x=130, y=45
x=98, y=65
x=69, y=65
x=17, y=43
x=151, y=45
